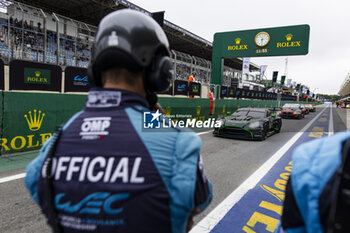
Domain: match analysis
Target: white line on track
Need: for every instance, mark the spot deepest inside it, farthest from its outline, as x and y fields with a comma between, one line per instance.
x=210, y=221
x=330, y=126
x=10, y=178
x=22, y=175
x=204, y=132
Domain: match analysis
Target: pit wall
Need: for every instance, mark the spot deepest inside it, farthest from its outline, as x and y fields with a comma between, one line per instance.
x=28, y=119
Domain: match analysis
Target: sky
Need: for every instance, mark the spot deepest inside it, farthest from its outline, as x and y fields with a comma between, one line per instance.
x=323, y=69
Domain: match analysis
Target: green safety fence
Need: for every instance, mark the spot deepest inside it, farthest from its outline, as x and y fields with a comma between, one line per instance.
x=28, y=119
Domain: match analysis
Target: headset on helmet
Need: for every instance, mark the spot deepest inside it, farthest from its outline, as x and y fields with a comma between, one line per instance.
x=132, y=40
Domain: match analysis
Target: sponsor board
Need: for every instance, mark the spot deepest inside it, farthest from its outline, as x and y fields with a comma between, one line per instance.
x=34, y=140
x=76, y=79
x=37, y=76
x=180, y=87
x=25, y=75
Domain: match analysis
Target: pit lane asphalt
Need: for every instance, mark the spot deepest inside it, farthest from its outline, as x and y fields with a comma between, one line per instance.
x=227, y=163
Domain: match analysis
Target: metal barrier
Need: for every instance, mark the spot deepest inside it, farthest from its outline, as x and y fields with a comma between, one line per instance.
x=202, y=69
x=183, y=65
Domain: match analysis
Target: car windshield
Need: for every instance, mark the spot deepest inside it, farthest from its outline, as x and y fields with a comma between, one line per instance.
x=250, y=113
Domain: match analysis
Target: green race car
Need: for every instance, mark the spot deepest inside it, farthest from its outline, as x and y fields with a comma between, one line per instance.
x=250, y=123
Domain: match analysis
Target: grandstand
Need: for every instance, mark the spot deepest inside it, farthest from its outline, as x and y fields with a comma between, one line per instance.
x=344, y=90
x=62, y=32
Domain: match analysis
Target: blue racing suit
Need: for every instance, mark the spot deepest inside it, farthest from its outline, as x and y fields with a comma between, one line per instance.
x=309, y=191
x=109, y=175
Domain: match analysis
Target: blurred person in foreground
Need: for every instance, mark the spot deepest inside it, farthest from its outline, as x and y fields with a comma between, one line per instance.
x=102, y=172
x=318, y=191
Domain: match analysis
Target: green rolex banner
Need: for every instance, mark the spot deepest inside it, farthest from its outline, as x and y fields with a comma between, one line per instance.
x=37, y=76
x=283, y=79
x=25, y=75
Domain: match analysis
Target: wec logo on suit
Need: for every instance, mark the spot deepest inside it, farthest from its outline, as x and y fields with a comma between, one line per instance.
x=92, y=204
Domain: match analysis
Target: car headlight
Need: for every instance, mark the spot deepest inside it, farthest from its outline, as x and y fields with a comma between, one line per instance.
x=297, y=112
x=254, y=125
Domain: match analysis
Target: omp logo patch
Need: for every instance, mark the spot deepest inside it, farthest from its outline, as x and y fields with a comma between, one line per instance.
x=95, y=127
x=92, y=204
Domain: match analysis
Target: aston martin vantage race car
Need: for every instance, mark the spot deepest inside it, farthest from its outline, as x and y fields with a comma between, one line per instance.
x=250, y=123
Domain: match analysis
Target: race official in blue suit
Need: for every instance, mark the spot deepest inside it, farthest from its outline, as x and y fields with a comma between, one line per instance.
x=102, y=171
x=312, y=190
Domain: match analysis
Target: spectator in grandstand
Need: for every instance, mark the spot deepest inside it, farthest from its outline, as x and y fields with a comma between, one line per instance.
x=16, y=23
x=39, y=27
x=102, y=172
x=315, y=198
